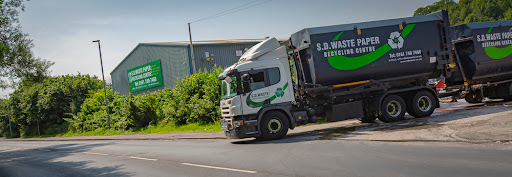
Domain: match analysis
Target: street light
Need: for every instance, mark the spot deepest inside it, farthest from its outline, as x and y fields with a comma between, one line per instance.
x=192, y=50
x=9, y=114
x=104, y=89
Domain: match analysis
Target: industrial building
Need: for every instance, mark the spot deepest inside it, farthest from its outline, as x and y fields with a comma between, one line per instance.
x=154, y=66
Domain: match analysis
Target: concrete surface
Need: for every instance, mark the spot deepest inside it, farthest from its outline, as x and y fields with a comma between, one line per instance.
x=476, y=123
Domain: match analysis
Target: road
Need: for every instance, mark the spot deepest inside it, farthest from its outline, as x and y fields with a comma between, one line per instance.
x=415, y=147
x=292, y=156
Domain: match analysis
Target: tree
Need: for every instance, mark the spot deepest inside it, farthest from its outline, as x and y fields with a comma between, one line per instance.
x=17, y=62
x=467, y=11
x=40, y=108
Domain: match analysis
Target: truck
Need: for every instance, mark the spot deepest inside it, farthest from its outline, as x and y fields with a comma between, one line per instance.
x=366, y=70
x=363, y=70
x=482, y=52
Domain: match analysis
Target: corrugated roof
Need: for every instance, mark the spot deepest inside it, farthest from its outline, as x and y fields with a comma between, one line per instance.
x=206, y=42
x=227, y=41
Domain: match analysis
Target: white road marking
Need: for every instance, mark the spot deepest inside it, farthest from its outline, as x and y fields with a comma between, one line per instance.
x=142, y=158
x=94, y=153
x=16, y=158
x=220, y=168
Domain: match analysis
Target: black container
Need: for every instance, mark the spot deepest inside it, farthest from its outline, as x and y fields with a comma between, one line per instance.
x=379, y=50
x=483, y=51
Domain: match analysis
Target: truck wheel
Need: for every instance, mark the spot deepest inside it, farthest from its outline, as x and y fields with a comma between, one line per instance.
x=368, y=119
x=507, y=98
x=274, y=125
x=474, y=97
x=393, y=109
x=422, y=104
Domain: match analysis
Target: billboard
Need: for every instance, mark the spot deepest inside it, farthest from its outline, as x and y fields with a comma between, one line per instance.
x=145, y=76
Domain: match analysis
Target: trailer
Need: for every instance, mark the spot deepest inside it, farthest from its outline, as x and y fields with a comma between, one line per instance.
x=364, y=70
x=484, y=61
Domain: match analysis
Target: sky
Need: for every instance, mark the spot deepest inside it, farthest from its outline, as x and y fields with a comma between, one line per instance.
x=63, y=30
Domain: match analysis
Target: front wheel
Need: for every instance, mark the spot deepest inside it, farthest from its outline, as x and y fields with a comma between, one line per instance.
x=274, y=125
x=422, y=104
x=392, y=109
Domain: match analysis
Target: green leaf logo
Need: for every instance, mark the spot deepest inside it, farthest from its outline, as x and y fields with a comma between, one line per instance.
x=497, y=53
x=396, y=40
x=279, y=92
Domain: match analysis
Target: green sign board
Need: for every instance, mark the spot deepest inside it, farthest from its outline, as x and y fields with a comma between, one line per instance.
x=145, y=76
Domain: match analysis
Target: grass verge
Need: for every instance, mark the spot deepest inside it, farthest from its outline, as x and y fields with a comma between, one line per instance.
x=165, y=128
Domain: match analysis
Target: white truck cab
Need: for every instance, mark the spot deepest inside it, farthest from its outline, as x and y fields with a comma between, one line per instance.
x=257, y=93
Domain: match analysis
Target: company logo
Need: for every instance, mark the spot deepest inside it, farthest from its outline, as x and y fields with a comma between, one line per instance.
x=490, y=41
x=279, y=92
x=396, y=40
x=257, y=99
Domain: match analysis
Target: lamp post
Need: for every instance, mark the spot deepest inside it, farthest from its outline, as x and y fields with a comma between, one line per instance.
x=104, y=89
x=192, y=50
x=9, y=115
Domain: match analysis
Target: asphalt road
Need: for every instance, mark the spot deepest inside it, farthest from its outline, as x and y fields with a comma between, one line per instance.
x=292, y=156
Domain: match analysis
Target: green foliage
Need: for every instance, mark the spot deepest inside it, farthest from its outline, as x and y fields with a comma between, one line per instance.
x=466, y=11
x=40, y=108
x=160, y=128
x=4, y=120
x=194, y=99
x=17, y=61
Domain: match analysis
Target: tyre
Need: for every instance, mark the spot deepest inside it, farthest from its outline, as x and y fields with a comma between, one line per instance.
x=422, y=104
x=368, y=119
x=392, y=109
x=474, y=97
x=508, y=98
x=274, y=125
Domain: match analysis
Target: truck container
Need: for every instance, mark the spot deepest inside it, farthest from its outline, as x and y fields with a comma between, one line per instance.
x=363, y=70
x=388, y=49
x=483, y=58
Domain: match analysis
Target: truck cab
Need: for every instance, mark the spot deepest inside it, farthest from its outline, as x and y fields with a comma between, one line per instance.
x=257, y=93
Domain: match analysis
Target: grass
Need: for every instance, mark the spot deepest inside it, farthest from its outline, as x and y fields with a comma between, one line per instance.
x=165, y=128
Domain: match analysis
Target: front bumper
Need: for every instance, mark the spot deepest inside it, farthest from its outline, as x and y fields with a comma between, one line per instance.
x=239, y=129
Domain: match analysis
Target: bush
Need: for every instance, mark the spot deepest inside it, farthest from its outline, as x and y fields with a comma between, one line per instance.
x=194, y=99
x=40, y=108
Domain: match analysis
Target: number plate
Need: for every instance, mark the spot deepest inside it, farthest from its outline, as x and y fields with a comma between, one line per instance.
x=224, y=125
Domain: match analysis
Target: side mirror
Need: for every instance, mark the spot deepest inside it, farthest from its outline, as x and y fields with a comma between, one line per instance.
x=246, y=77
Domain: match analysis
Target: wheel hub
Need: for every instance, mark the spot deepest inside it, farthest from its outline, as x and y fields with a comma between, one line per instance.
x=274, y=125
x=394, y=108
x=424, y=103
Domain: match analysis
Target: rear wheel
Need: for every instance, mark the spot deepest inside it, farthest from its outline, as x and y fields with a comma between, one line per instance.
x=474, y=97
x=368, y=119
x=422, y=104
x=392, y=109
x=274, y=125
x=508, y=98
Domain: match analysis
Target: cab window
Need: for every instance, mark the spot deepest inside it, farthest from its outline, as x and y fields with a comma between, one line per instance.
x=273, y=76
x=263, y=78
x=257, y=80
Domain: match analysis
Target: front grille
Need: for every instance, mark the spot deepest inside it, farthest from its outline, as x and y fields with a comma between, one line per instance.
x=224, y=109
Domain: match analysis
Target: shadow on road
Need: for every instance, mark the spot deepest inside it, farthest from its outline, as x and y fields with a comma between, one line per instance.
x=45, y=162
x=447, y=112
